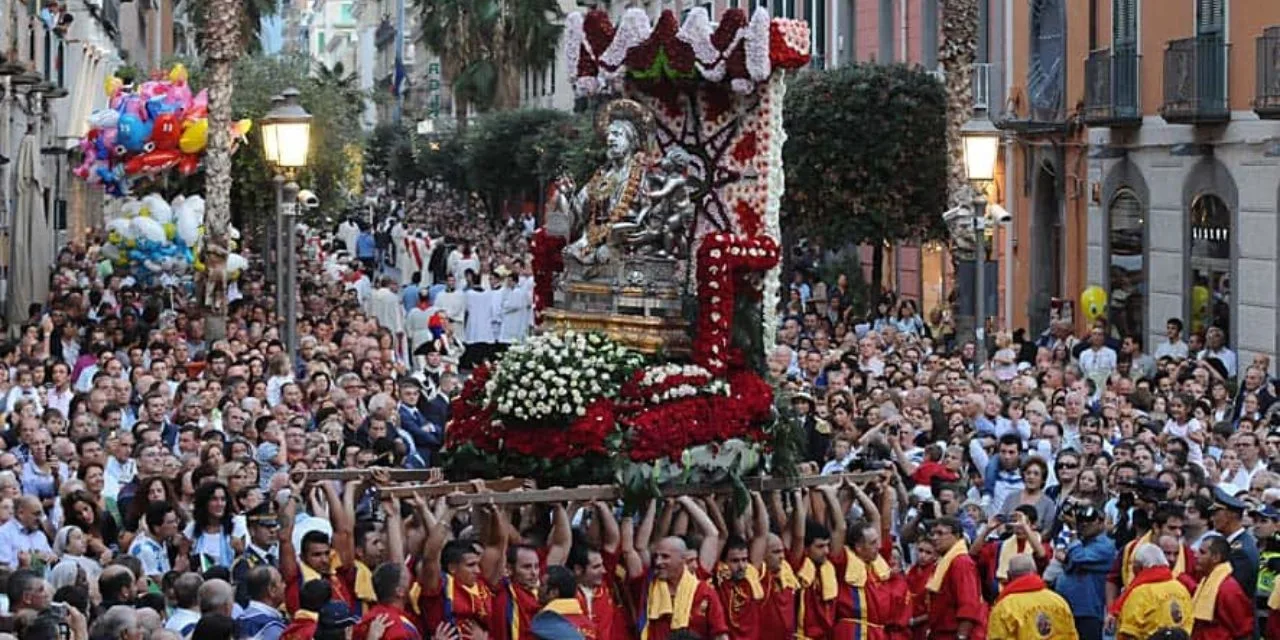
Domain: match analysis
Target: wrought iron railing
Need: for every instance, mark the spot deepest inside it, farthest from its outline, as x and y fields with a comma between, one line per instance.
x=1195, y=80
x=1267, y=101
x=1111, y=87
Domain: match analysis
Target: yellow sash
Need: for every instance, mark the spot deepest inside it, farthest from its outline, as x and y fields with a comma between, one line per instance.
x=785, y=576
x=364, y=580
x=1126, y=564
x=855, y=573
x=302, y=614
x=1009, y=551
x=1207, y=593
x=662, y=603
x=935, y=581
x=826, y=574
x=564, y=607
x=751, y=576
x=1273, y=601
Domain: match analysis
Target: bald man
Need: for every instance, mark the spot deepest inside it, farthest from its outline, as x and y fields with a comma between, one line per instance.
x=23, y=537
x=676, y=600
x=778, y=611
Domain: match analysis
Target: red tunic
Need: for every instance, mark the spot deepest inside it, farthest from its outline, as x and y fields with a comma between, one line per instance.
x=583, y=624
x=817, y=619
x=742, y=611
x=898, y=593
x=778, y=609
x=706, y=619
x=300, y=628
x=342, y=582
x=401, y=625
x=1232, y=615
x=511, y=616
x=989, y=565
x=463, y=606
x=917, y=577
x=605, y=607
x=861, y=612
x=960, y=598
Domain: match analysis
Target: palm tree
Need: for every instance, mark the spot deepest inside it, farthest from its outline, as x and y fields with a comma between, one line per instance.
x=485, y=46
x=222, y=45
x=250, y=23
x=957, y=51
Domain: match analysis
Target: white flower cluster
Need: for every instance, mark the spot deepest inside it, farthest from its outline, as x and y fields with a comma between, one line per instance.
x=554, y=377
x=698, y=381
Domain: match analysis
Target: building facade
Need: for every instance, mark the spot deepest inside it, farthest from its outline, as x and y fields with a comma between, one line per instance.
x=1183, y=104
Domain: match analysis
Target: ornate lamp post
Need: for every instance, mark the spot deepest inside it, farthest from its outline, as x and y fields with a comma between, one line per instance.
x=286, y=141
x=981, y=149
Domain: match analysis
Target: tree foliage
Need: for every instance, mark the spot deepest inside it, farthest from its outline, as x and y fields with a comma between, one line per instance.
x=486, y=45
x=866, y=156
x=334, y=165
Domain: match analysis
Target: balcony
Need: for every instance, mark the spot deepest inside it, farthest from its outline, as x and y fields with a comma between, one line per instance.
x=1111, y=88
x=1267, y=102
x=1195, y=81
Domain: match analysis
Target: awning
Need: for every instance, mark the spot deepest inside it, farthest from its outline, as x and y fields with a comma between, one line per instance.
x=32, y=237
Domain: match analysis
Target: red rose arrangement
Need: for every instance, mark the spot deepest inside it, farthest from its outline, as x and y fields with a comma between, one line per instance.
x=723, y=259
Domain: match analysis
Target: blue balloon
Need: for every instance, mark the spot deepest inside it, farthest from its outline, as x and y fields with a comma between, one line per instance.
x=159, y=105
x=132, y=133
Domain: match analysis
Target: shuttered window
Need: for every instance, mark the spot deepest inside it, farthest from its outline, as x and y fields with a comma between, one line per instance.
x=1210, y=16
x=1124, y=21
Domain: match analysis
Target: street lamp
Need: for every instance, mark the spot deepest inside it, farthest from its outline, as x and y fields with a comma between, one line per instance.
x=286, y=141
x=981, y=147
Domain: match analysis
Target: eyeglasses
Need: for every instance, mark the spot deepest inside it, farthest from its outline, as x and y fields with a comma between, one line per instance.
x=1069, y=465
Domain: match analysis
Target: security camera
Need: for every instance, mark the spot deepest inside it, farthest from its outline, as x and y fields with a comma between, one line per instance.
x=307, y=198
x=999, y=214
x=954, y=213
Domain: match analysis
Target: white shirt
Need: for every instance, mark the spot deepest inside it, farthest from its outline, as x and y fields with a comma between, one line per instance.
x=117, y=474
x=14, y=539
x=1195, y=454
x=180, y=619
x=18, y=393
x=1098, y=363
x=481, y=316
x=454, y=304
x=153, y=555
x=388, y=310
x=1176, y=350
x=1227, y=356
x=517, y=303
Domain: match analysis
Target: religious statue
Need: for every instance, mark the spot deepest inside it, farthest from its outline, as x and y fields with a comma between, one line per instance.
x=663, y=227
x=611, y=203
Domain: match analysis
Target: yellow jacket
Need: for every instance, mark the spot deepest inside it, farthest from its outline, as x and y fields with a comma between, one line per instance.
x=1154, y=606
x=1032, y=615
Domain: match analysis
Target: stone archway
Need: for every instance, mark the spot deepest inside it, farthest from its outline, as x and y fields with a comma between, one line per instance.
x=1211, y=209
x=1048, y=240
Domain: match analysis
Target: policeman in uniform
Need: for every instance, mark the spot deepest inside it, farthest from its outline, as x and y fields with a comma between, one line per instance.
x=1266, y=526
x=262, y=548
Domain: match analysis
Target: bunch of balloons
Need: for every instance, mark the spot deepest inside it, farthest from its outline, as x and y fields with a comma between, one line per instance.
x=148, y=128
x=155, y=237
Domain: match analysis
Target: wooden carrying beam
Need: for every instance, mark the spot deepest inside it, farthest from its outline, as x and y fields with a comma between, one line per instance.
x=396, y=475
x=434, y=490
x=610, y=492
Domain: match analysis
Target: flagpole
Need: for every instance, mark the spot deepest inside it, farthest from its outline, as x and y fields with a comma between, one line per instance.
x=398, y=75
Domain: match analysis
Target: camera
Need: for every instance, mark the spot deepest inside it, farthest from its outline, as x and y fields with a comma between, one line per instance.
x=999, y=214
x=308, y=199
x=863, y=464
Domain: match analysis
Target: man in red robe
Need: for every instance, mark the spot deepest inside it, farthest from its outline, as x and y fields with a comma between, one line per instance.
x=453, y=590
x=314, y=596
x=778, y=609
x=391, y=586
x=1220, y=607
x=515, y=599
x=956, y=608
x=740, y=590
x=673, y=599
x=818, y=559
x=316, y=559
x=863, y=609
x=593, y=570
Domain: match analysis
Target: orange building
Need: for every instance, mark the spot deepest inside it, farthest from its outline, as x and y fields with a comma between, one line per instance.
x=1182, y=101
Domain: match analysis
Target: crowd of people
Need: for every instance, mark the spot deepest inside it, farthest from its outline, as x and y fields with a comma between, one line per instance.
x=154, y=484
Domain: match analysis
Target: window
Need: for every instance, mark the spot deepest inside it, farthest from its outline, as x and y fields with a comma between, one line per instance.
x=1124, y=22
x=1210, y=16
x=1210, y=257
x=818, y=30
x=346, y=14
x=1128, y=274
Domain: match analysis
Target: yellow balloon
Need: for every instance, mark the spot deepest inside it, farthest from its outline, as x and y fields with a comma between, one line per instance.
x=113, y=238
x=1093, y=301
x=194, y=136
x=122, y=260
x=178, y=73
x=144, y=212
x=198, y=266
x=240, y=128
x=131, y=243
x=170, y=230
x=1200, y=307
x=111, y=85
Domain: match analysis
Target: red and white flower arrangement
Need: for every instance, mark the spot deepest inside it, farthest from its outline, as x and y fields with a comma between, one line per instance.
x=722, y=261
x=548, y=261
